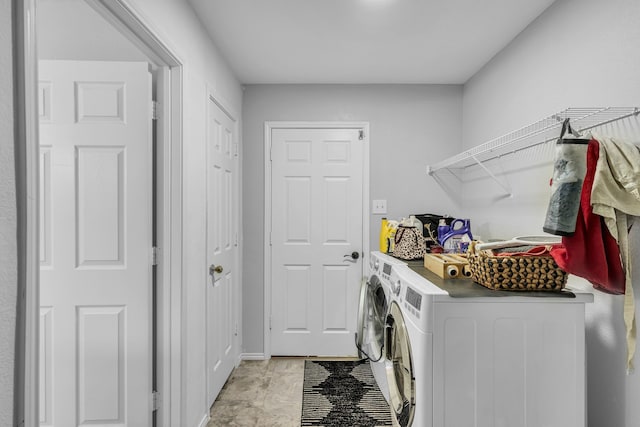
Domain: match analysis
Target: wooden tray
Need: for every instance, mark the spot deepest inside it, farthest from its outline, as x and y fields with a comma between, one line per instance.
x=448, y=266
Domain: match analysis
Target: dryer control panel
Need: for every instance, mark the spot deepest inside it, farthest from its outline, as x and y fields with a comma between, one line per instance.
x=413, y=298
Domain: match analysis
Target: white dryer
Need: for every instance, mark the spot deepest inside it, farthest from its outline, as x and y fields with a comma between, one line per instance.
x=375, y=295
x=482, y=361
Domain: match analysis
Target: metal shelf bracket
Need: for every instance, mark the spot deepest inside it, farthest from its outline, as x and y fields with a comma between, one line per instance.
x=506, y=187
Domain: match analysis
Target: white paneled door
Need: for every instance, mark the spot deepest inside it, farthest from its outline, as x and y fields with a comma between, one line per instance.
x=95, y=244
x=222, y=247
x=316, y=240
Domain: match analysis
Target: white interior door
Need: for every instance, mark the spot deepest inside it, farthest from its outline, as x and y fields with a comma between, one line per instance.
x=222, y=245
x=316, y=225
x=95, y=243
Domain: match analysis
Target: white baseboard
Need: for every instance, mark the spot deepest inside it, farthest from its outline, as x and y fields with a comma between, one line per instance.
x=204, y=421
x=252, y=356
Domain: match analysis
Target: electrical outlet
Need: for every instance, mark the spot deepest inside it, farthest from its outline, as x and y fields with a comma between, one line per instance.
x=379, y=207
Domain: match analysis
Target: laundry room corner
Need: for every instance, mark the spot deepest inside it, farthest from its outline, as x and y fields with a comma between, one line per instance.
x=576, y=54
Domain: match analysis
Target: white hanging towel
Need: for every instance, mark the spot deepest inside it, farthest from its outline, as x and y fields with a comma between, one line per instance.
x=615, y=196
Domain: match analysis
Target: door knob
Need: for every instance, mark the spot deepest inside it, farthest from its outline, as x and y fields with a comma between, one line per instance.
x=215, y=269
x=354, y=255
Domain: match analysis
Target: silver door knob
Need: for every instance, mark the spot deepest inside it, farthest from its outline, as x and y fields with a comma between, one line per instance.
x=215, y=269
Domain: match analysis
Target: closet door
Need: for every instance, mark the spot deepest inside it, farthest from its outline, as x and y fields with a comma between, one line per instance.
x=316, y=240
x=222, y=248
x=95, y=243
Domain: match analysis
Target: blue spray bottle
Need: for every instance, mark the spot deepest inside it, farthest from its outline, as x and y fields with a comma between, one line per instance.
x=443, y=229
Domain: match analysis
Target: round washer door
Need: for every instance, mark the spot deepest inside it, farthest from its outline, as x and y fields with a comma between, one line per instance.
x=399, y=368
x=371, y=320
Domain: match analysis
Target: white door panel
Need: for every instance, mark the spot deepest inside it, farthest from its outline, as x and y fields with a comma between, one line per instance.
x=317, y=188
x=96, y=230
x=45, y=367
x=45, y=207
x=222, y=228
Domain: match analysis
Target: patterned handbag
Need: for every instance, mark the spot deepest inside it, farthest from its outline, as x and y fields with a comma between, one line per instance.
x=409, y=243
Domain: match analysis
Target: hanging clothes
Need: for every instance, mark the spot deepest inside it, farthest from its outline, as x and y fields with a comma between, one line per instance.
x=609, y=202
x=616, y=182
x=591, y=252
x=616, y=198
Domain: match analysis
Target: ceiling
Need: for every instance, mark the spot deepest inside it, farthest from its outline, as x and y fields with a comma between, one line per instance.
x=363, y=41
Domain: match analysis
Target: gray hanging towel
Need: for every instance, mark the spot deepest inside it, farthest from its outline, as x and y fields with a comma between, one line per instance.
x=569, y=169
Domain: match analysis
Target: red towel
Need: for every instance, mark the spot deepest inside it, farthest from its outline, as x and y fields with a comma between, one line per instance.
x=591, y=252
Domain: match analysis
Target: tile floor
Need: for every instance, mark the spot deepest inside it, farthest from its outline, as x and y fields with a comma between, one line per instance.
x=264, y=393
x=261, y=393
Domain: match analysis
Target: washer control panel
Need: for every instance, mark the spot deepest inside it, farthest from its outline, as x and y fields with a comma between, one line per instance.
x=386, y=271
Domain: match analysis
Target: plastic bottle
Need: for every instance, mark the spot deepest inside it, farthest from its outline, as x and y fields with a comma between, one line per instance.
x=392, y=227
x=459, y=231
x=384, y=236
x=413, y=222
x=443, y=229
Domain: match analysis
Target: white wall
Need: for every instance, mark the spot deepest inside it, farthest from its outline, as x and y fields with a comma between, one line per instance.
x=409, y=125
x=177, y=26
x=8, y=222
x=71, y=29
x=579, y=53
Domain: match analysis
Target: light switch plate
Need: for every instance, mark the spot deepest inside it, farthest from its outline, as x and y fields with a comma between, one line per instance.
x=379, y=207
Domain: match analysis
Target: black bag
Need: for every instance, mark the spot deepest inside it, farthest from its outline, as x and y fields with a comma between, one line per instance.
x=430, y=224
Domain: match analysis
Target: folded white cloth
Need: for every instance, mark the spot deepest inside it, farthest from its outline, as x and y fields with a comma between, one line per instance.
x=616, y=182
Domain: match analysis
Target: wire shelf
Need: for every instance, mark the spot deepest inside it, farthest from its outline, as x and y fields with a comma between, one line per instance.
x=541, y=132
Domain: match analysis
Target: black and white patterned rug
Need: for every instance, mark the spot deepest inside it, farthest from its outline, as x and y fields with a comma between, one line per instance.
x=342, y=393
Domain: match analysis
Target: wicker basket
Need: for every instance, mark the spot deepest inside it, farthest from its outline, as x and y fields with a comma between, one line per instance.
x=516, y=273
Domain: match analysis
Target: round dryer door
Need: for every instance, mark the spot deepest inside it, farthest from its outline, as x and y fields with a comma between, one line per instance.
x=400, y=374
x=362, y=315
x=371, y=320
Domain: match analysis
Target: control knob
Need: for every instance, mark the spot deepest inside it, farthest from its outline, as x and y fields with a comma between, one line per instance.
x=396, y=289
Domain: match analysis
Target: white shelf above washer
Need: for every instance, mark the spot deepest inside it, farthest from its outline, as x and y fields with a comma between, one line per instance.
x=540, y=132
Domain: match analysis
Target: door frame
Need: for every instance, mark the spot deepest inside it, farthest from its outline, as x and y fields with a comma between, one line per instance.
x=169, y=207
x=268, y=127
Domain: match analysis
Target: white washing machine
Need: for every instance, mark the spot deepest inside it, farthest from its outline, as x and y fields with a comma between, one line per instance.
x=375, y=295
x=409, y=347
x=482, y=361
